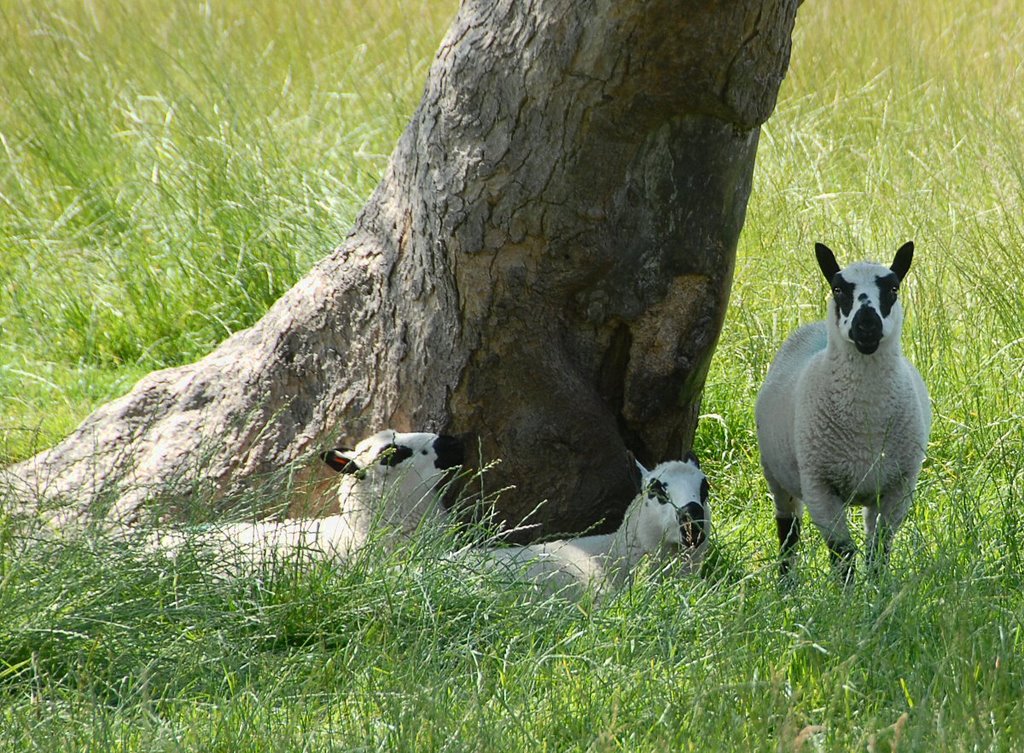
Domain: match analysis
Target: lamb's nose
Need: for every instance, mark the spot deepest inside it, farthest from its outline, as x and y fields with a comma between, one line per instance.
x=450, y=452
x=867, y=325
x=691, y=524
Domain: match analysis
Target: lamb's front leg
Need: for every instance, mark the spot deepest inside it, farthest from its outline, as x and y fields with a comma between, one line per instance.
x=788, y=513
x=881, y=523
x=828, y=511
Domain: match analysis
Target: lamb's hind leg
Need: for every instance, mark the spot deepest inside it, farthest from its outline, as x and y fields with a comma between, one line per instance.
x=788, y=513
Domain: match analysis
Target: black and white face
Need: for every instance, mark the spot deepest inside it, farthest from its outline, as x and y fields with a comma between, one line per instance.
x=675, y=507
x=424, y=453
x=865, y=308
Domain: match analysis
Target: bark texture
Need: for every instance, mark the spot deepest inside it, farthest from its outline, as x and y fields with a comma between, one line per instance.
x=545, y=264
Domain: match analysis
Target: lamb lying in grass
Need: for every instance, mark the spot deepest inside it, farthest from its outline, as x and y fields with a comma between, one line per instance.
x=389, y=485
x=843, y=418
x=669, y=519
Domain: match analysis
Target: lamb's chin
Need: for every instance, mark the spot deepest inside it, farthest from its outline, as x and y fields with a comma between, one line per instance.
x=867, y=348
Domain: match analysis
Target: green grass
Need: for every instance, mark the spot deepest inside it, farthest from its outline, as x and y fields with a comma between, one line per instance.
x=166, y=172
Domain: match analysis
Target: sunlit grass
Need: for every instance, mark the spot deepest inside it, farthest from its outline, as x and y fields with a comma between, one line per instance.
x=168, y=171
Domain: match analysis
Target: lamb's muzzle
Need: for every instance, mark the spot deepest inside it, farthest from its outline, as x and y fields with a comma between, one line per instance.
x=450, y=452
x=692, y=526
x=866, y=330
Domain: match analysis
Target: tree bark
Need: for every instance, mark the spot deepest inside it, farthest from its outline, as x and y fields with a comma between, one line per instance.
x=545, y=264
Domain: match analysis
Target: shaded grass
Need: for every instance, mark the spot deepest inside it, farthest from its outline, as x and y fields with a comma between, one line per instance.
x=111, y=646
x=165, y=176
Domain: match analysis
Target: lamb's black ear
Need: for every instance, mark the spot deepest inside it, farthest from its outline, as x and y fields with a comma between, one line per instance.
x=635, y=470
x=337, y=461
x=691, y=458
x=826, y=261
x=901, y=263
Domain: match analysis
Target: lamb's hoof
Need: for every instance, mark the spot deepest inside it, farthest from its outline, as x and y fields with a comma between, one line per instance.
x=842, y=557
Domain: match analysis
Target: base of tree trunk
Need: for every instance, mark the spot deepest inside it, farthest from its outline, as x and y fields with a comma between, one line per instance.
x=545, y=266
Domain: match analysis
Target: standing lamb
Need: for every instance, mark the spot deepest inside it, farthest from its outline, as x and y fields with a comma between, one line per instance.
x=843, y=418
x=388, y=483
x=669, y=518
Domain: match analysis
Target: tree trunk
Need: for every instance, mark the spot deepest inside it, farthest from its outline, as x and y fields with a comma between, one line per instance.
x=546, y=264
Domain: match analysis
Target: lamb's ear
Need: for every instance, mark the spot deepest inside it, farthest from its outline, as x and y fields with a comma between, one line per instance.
x=901, y=263
x=826, y=261
x=691, y=459
x=637, y=471
x=337, y=460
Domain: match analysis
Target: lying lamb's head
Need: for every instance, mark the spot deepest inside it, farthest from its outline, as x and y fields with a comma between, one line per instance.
x=865, y=308
x=673, y=507
x=412, y=463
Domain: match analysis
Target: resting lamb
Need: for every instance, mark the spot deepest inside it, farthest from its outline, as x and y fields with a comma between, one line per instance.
x=388, y=483
x=843, y=418
x=669, y=518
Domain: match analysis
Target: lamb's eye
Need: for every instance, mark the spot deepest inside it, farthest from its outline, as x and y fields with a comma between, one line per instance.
x=837, y=291
x=895, y=290
x=658, y=492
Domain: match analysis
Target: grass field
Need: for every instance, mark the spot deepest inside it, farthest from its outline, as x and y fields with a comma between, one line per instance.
x=168, y=170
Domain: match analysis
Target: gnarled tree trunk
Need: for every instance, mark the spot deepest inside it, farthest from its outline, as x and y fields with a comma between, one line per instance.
x=546, y=264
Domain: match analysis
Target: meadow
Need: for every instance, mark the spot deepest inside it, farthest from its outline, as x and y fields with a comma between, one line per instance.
x=168, y=170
